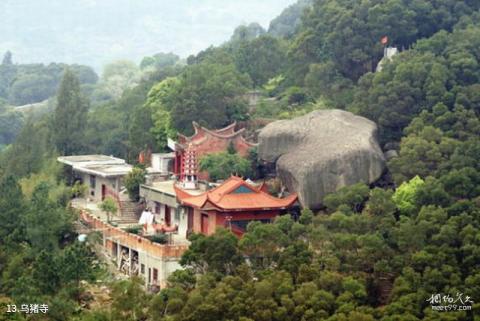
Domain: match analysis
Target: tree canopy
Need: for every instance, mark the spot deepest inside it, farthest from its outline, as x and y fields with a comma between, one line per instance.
x=210, y=94
x=22, y=84
x=70, y=118
x=220, y=166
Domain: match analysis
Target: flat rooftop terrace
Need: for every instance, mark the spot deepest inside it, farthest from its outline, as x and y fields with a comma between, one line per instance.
x=106, y=170
x=90, y=160
x=166, y=187
x=101, y=165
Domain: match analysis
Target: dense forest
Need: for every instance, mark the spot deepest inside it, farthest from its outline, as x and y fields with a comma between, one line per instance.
x=371, y=254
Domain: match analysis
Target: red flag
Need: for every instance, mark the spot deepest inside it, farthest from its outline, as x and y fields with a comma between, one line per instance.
x=384, y=40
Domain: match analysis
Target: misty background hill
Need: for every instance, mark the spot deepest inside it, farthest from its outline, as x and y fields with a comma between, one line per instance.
x=94, y=32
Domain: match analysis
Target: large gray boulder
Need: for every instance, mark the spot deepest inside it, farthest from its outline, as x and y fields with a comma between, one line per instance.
x=320, y=152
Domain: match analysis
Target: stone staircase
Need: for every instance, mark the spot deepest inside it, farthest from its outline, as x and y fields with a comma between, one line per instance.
x=127, y=214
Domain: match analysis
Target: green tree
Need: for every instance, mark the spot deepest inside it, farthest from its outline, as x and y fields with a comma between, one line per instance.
x=287, y=23
x=432, y=193
x=463, y=183
x=8, y=74
x=185, y=279
x=70, y=117
x=34, y=83
x=214, y=253
x=306, y=216
x=7, y=58
x=46, y=222
x=247, y=32
x=352, y=197
x=380, y=202
x=405, y=195
x=422, y=153
x=26, y=154
x=160, y=60
x=76, y=262
x=109, y=206
x=133, y=180
x=325, y=81
x=119, y=76
x=79, y=189
x=210, y=94
x=12, y=211
x=261, y=58
x=159, y=102
x=263, y=243
x=420, y=79
x=223, y=165
x=111, y=127
x=11, y=123
x=294, y=256
x=140, y=136
x=45, y=272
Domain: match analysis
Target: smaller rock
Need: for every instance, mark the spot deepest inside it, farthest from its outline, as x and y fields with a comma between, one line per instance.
x=389, y=154
x=391, y=145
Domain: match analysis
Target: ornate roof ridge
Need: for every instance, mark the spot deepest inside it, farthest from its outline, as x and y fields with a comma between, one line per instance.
x=228, y=127
x=217, y=132
x=225, y=136
x=216, y=198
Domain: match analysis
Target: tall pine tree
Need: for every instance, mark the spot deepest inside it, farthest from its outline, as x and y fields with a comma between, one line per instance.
x=70, y=117
x=12, y=209
x=7, y=59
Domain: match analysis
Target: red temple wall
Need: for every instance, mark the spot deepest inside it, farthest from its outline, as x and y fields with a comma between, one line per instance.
x=207, y=142
x=197, y=221
x=247, y=215
x=217, y=219
x=214, y=144
x=212, y=222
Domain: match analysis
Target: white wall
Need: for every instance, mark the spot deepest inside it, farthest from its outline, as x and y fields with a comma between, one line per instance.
x=112, y=184
x=182, y=223
x=165, y=267
x=180, y=219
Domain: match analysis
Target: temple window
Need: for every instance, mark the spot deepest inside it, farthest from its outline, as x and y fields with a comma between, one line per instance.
x=155, y=276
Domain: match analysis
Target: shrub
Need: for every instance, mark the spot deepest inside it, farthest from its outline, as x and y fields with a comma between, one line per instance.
x=222, y=165
x=133, y=181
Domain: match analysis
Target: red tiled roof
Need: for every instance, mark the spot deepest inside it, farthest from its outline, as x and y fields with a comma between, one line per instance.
x=181, y=194
x=225, y=198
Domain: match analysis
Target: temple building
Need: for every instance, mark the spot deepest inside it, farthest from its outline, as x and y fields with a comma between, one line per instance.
x=187, y=203
x=189, y=150
x=232, y=204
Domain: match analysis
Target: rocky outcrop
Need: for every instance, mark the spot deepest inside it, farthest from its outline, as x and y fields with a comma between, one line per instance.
x=320, y=152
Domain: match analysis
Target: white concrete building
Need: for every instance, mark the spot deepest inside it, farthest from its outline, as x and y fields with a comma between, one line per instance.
x=135, y=255
x=388, y=54
x=102, y=174
x=161, y=198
